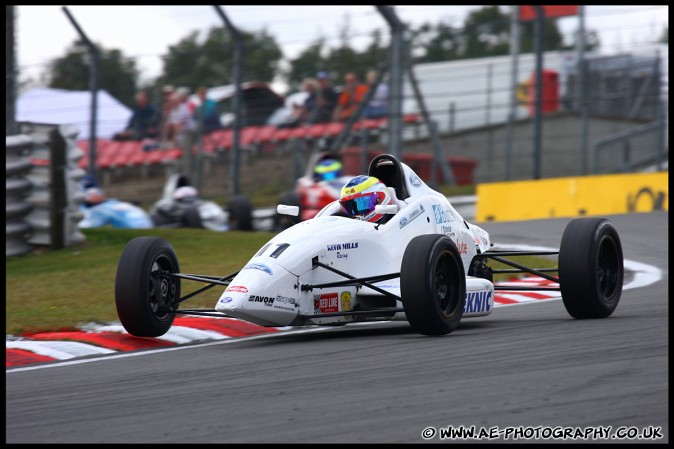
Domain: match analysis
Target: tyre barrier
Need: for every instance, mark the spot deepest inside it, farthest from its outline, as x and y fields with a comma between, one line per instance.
x=43, y=194
x=17, y=162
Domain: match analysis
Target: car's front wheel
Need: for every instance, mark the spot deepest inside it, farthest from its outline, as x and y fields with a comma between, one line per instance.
x=145, y=296
x=432, y=284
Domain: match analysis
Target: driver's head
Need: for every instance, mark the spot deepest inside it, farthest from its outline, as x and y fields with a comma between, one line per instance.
x=185, y=194
x=327, y=170
x=93, y=196
x=361, y=195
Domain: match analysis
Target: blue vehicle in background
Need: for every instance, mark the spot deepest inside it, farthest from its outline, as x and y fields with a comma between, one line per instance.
x=100, y=211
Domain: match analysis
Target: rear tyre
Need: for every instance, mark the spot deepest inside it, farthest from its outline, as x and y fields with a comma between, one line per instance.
x=146, y=299
x=590, y=268
x=241, y=213
x=433, y=284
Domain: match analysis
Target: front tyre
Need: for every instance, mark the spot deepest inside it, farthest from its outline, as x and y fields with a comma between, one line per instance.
x=590, y=268
x=433, y=284
x=192, y=218
x=146, y=298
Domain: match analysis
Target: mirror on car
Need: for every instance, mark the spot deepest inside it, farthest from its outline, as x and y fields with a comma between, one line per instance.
x=288, y=210
x=386, y=209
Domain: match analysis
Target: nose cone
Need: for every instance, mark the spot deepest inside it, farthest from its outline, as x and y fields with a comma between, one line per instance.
x=263, y=293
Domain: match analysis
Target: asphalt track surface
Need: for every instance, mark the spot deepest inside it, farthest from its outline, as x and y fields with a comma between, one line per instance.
x=527, y=367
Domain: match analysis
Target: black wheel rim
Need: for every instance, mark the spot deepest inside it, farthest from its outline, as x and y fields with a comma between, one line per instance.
x=608, y=266
x=162, y=289
x=445, y=285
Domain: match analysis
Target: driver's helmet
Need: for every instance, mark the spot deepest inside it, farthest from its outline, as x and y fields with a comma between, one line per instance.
x=361, y=195
x=93, y=196
x=185, y=194
x=327, y=170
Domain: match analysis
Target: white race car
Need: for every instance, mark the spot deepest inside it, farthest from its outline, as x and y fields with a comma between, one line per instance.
x=426, y=265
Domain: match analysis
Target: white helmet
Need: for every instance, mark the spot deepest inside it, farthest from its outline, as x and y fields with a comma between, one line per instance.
x=362, y=194
x=185, y=194
x=93, y=195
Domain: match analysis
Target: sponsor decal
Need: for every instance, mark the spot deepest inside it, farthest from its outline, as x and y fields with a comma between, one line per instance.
x=226, y=300
x=326, y=303
x=415, y=181
x=477, y=302
x=412, y=215
x=442, y=214
x=447, y=230
x=237, y=288
x=266, y=300
x=462, y=247
x=258, y=266
x=342, y=255
x=345, y=300
x=343, y=246
x=285, y=303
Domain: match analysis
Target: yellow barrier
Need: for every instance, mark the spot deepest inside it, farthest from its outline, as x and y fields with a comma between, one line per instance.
x=572, y=197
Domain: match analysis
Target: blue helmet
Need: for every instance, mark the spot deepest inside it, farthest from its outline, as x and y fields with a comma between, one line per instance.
x=327, y=170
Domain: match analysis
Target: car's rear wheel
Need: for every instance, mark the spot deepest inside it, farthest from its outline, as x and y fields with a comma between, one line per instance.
x=433, y=284
x=145, y=297
x=241, y=213
x=590, y=268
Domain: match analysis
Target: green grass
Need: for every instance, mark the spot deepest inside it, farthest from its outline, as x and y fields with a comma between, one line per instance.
x=61, y=289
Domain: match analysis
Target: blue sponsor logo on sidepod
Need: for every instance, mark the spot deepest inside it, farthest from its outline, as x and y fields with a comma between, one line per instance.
x=477, y=302
x=226, y=300
x=258, y=266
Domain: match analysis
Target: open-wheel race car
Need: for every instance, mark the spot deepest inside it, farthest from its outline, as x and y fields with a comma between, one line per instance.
x=181, y=206
x=425, y=264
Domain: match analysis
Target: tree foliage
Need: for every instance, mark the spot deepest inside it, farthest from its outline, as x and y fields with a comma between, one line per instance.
x=117, y=74
x=194, y=61
x=191, y=63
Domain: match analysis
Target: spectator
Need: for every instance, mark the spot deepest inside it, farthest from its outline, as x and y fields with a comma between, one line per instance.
x=300, y=112
x=180, y=124
x=326, y=100
x=350, y=98
x=144, y=122
x=378, y=105
x=206, y=115
x=166, y=106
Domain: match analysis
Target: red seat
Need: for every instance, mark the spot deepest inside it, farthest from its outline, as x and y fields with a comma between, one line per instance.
x=172, y=154
x=333, y=129
x=249, y=135
x=316, y=130
x=298, y=133
x=154, y=157
x=369, y=123
x=412, y=118
x=282, y=134
x=265, y=134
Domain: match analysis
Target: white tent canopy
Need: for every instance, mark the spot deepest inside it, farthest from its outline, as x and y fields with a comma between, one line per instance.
x=73, y=107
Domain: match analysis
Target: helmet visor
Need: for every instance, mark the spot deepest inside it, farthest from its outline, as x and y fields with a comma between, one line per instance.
x=360, y=205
